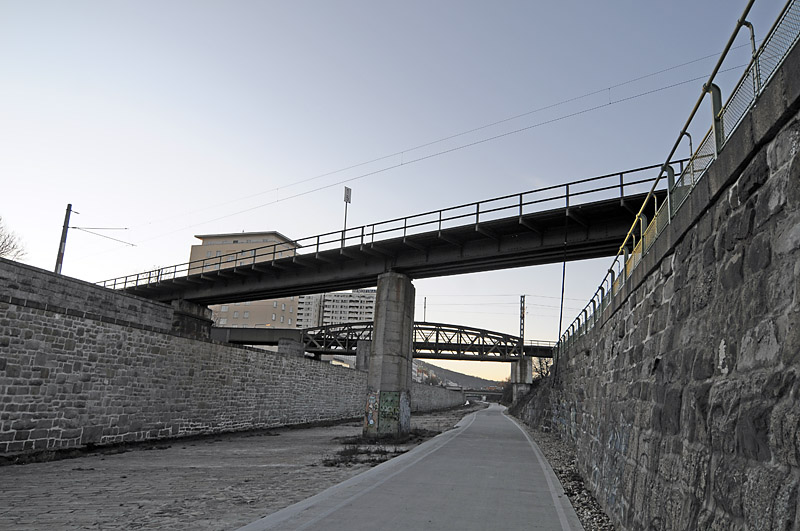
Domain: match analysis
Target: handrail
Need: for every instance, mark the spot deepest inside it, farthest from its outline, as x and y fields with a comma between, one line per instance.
x=704, y=151
x=371, y=234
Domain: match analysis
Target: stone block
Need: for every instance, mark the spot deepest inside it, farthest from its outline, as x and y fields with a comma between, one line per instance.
x=752, y=428
x=770, y=498
x=730, y=276
x=759, y=347
x=782, y=150
x=758, y=253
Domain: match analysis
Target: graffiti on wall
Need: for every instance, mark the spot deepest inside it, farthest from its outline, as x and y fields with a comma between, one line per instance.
x=371, y=411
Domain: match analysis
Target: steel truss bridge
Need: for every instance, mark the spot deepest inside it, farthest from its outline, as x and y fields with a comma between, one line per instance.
x=431, y=341
x=588, y=218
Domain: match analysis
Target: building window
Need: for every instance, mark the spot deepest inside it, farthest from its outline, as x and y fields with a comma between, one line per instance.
x=247, y=315
x=290, y=320
x=219, y=253
x=283, y=307
x=223, y=321
x=208, y=254
x=291, y=309
x=273, y=316
x=235, y=315
x=274, y=304
x=281, y=318
x=224, y=308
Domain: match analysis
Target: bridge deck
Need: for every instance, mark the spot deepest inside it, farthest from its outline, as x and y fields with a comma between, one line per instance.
x=579, y=232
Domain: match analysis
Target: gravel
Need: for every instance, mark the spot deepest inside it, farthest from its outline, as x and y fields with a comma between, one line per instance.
x=561, y=456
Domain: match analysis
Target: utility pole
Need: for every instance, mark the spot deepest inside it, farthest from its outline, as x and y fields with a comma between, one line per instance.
x=521, y=324
x=63, y=244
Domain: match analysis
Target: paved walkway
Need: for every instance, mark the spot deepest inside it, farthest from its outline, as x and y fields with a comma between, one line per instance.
x=486, y=474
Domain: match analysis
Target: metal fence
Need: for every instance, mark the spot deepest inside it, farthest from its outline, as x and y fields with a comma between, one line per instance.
x=781, y=38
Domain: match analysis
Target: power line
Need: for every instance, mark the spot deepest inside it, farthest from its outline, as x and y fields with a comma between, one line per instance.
x=451, y=137
x=440, y=153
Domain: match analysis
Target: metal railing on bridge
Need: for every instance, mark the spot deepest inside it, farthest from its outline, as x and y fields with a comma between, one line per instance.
x=619, y=184
x=765, y=61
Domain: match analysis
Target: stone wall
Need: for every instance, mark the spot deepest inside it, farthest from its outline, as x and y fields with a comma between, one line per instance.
x=433, y=397
x=683, y=400
x=83, y=365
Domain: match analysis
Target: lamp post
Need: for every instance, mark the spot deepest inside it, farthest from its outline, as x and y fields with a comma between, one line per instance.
x=347, y=194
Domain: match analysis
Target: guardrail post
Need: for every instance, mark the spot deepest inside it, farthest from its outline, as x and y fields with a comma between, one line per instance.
x=756, y=73
x=670, y=186
x=643, y=228
x=716, y=109
x=626, y=256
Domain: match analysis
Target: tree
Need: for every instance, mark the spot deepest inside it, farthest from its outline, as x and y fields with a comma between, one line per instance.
x=541, y=367
x=10, y=244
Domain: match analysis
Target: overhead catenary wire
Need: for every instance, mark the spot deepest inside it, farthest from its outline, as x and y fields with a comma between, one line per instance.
x=403, y=152
x=432, y=155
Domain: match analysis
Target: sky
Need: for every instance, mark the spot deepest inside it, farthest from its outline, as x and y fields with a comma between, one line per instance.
x=172, y=119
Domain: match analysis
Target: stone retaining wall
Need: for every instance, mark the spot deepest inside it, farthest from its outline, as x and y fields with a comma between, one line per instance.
x=683, y=401
x=73, y=375
x=433, y=397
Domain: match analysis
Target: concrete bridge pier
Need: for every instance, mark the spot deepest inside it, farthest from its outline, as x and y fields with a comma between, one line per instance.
x=388, y=407
x=521, y=376
x=363, y=349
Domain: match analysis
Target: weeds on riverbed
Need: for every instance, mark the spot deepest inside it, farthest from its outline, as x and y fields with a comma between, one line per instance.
x=356, y=454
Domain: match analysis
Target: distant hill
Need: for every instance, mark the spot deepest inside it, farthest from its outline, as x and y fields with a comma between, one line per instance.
x=464, y=380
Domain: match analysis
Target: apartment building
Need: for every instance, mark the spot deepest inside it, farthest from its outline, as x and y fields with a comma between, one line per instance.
x=336, y=308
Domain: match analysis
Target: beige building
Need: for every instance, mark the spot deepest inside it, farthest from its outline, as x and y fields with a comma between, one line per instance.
x=226, y=250
x=244, y=248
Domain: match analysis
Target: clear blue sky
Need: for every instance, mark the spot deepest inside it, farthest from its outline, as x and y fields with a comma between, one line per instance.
x=162, y=116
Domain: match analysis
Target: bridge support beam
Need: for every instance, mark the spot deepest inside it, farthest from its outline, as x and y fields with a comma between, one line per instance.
x=521, y=376
x=388, y=406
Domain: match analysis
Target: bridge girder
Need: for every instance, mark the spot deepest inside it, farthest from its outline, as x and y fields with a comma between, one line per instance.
x=431, y=341
x=517, y=241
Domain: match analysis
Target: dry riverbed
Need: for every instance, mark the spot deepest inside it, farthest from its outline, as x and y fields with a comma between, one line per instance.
x=210, y=483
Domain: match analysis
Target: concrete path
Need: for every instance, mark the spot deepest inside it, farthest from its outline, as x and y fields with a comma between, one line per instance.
x=485, y=474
